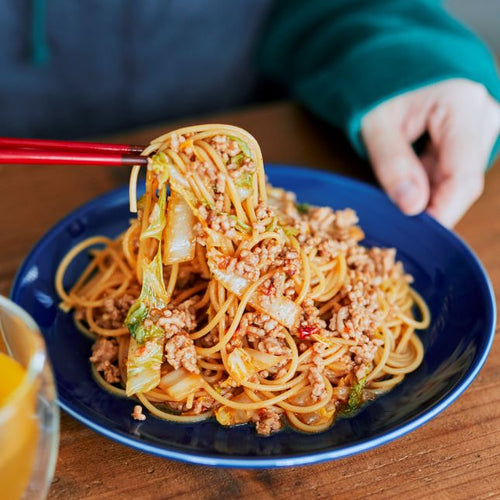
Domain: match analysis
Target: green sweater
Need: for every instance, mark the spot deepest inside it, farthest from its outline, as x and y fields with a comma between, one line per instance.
x=342, y=58
x=339, y=57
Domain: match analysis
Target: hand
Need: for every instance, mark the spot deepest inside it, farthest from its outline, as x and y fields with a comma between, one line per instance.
x=463, y=122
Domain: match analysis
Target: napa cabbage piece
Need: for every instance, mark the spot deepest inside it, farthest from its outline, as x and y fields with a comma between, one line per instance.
x=321, y=417
x=144, y=363
x=179, y=238
x=244, y=185
x=240, y=365
x=232, y=416
x=302, y=208
x=147, y=340
x=355, y=399
x=338, y=368
x=244, y=362
x=216, y=239
x=157, y=218
x=243, y=180
x=179, y=384
x=263, y=360
x=284, y=310
x=177, y=180
x=243, y=146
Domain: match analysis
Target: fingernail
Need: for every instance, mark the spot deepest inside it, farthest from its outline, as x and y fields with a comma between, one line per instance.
x=406, y=196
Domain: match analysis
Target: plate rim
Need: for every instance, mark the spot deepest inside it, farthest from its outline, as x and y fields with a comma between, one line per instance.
x=235, y=461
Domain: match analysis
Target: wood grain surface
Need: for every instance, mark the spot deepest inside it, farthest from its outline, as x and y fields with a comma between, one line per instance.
x=456, y=455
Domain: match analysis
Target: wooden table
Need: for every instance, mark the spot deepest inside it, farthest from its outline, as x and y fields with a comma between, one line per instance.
x=457, y=455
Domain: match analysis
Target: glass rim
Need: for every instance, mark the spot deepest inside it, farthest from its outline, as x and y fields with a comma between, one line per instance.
x=36, y=362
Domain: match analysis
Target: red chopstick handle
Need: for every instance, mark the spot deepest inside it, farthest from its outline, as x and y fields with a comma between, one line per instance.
x=37, y=157
x=13, y=142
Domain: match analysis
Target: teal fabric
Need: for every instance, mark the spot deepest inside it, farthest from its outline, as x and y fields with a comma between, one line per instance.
x=39, y=46
x=342, y=58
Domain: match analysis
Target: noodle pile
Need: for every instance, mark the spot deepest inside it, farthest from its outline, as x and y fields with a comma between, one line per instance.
x=227, y=298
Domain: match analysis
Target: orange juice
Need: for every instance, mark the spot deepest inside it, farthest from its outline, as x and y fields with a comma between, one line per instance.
x=12, y=374
x=18, y=428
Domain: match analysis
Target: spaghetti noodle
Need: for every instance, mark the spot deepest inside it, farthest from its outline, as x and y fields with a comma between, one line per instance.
x=226, y=298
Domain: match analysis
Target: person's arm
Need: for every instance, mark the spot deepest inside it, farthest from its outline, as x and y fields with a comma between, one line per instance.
x=344, y=59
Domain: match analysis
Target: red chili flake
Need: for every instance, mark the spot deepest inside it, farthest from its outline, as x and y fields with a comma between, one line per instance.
x=306, y=331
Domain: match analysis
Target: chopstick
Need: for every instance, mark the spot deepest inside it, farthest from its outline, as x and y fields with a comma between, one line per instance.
x=14, y=142
x=48, y=157
x=49, y=152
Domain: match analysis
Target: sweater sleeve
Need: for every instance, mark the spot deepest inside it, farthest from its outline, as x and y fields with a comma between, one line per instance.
x=341, y=58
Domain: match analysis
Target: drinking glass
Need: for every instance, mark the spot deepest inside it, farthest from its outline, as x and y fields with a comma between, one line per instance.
x=29, y=416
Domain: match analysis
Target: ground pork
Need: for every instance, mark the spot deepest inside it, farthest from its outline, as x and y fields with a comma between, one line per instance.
x=374, y=265
x=244, y=265
x=177, y=322
x=137, y=413
x=365, y=352
x=310, y=322
x=264, y=215
x=263, y=333
x=269, y=253
x=279, y=284
x=227, y=147
x=273, y=345
x=104, y=355
x=247, y=265
x=176, y=140
x=315, y=374
x=222, y=223
x=330, y=248
x=291, y=262
x=277, y=371
x=181, y=318
x=328, y=232
x=200, y=405
x=219, y=188
x=207, y=172
x=263, y=257
x=268, y=420
x=210, y=339
x=203, y=404
x=360, y=315
x=345, y=218
x=318, y=389
x=114, y=309
x=180, y=351
x=385, y=264
x=321, y=220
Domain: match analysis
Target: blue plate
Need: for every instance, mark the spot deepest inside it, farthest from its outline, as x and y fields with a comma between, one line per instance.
x=447, y=274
